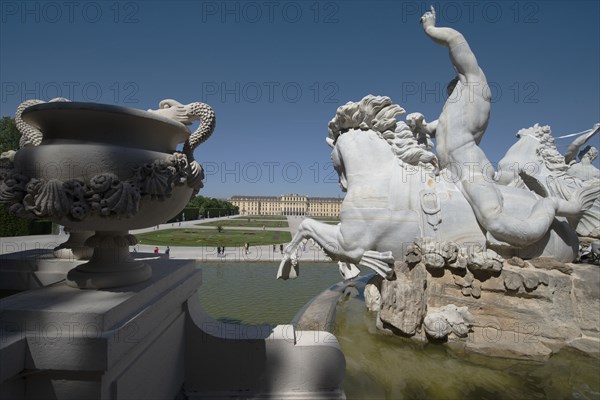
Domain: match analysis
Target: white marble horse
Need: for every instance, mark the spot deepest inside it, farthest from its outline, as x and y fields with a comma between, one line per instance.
x=396, y=197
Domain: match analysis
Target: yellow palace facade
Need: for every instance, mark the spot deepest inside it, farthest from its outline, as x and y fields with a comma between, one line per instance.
x=288, y=204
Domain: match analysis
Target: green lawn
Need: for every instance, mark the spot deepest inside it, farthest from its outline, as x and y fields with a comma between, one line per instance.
x=253, y=223
x=210, y=238
x=261, y=217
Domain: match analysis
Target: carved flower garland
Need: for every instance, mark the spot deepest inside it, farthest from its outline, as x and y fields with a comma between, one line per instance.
x=104, y=195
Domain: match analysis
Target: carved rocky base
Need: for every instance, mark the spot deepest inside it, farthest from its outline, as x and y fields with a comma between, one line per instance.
x=529, y=310
x=111, y=264
x=74, y=248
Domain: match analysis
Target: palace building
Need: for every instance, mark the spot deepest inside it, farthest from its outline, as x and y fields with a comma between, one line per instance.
x=288, y=204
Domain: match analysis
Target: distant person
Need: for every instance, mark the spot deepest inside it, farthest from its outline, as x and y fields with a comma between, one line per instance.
x=156, y=250
x=274, y=249
x=281, y=248
x=246, y=247
x=223, y=250
x=218, y=250
x=168, y=251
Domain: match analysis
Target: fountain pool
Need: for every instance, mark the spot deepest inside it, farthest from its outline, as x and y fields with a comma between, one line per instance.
x=387, y=367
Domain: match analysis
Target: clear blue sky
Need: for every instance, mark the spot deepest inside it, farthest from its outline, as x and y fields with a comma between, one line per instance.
x=275, y=72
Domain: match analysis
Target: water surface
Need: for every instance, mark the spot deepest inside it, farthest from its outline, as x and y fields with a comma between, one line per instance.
x=249, y=293
x=389, y=367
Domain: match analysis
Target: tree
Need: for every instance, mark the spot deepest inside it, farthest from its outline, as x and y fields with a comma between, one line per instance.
x=9, y=140
x=9, y=135
x=213, y=206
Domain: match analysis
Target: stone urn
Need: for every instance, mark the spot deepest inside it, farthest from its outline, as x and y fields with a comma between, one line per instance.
x=74, y=247
x=107, y=169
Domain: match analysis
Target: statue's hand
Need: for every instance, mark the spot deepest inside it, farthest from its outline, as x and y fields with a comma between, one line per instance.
x=428, y=19
x=415, y=120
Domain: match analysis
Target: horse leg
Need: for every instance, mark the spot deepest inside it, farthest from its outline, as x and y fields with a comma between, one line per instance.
x=331, y=240
x=326, y=237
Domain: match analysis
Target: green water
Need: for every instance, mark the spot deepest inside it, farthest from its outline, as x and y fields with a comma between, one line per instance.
x=389, y=367
x=248, y=293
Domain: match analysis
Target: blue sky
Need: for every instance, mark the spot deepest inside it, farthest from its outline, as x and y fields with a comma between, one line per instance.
x=275, y=71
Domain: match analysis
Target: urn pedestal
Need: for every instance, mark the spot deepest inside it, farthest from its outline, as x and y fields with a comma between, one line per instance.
x=74, y=247
x=105, y=169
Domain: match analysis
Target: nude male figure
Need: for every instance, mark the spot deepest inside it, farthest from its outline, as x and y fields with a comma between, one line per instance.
x=458, y=132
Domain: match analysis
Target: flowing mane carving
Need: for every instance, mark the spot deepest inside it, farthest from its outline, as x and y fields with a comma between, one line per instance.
x=547, y=150
x=378, y=113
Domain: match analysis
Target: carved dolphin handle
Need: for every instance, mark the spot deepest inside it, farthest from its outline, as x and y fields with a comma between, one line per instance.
x=30, y=136
x=186, y=114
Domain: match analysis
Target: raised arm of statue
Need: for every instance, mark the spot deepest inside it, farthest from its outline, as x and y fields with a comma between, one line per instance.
x=573, y=148
x=458, y=131
x=462, y=57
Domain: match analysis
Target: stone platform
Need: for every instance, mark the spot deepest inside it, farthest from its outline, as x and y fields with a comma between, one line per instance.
x=153, y=341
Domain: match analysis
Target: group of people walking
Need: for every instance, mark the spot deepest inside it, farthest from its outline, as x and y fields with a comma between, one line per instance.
x=220, y=249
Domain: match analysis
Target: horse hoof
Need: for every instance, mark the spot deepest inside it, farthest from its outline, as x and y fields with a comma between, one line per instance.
x=288, y=269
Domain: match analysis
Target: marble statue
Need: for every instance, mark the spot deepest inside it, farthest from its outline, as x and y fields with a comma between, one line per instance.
x=584, y=169
x=104, y=168
x=396, y=196
x=535, y=163
x=399, y=192
x=580, y=141
x=458, y=131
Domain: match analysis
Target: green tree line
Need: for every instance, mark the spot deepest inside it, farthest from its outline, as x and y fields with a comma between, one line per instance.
x=206, y=207
x=9, y=224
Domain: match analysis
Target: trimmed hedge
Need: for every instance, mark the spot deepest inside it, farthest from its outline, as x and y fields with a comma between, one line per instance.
x=11, y=225
x=14, y=226
x=191, y=213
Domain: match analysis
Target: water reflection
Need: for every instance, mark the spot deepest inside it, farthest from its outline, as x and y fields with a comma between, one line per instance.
x=389, y=367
